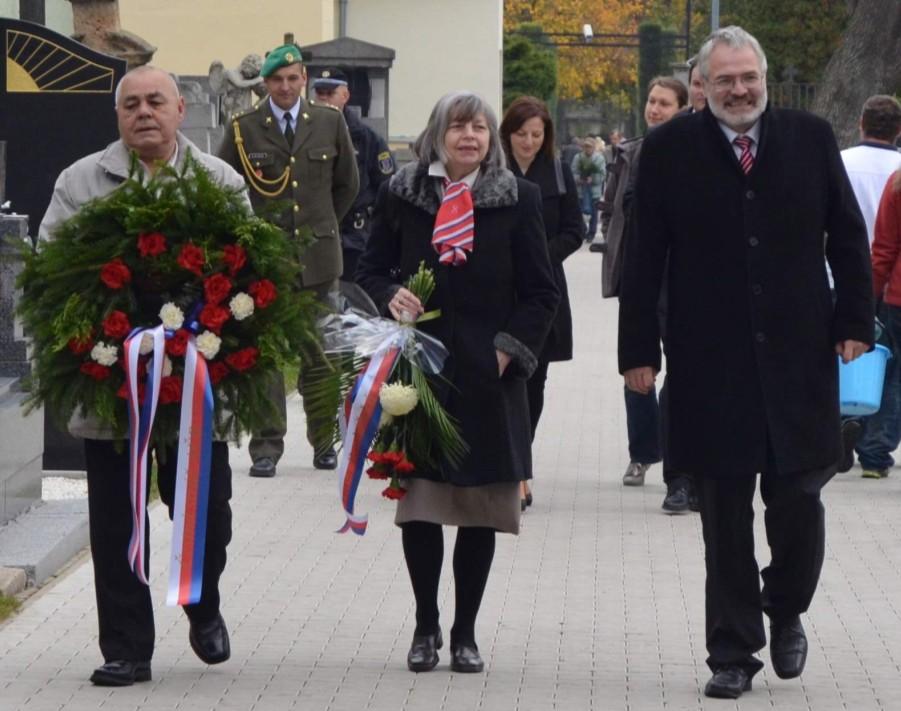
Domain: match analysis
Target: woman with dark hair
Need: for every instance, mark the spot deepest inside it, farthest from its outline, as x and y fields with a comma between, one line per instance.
x=458, y=209
x=527, y=134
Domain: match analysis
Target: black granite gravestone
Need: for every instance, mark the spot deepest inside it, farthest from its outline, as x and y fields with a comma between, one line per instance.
x=56, y=105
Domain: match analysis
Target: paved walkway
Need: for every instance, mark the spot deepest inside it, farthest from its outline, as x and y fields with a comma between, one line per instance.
x=598, y=604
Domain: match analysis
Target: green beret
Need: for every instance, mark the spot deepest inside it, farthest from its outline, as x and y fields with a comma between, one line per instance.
x=280, y=57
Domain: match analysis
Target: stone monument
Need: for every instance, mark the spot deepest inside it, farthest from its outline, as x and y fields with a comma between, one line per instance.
x=96, y=25
x=237, y=87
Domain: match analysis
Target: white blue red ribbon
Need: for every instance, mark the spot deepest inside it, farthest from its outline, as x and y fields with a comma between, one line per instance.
x=192, y=479
x=359, y=424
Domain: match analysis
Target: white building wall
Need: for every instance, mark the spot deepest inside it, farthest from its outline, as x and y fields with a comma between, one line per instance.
x=441, y=45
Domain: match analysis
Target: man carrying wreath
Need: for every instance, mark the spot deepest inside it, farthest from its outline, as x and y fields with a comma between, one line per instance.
x=149, y=110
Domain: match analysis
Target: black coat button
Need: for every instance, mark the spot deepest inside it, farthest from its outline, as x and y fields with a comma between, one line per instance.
x=757, y=290
x=750, y=195
x=753, y=241
x=760, y=337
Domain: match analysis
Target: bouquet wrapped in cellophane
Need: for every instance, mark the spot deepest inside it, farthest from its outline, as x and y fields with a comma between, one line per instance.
x=390, y=415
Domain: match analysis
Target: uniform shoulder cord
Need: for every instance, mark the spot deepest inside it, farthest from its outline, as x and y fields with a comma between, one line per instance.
x=259, y=183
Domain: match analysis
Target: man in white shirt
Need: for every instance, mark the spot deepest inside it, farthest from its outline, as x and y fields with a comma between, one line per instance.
x=869, y=165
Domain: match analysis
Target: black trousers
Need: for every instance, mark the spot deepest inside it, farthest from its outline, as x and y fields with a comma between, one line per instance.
x=795, y=531
x=124, y=607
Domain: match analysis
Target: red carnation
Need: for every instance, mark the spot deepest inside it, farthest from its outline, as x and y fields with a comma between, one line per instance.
x=395, y=493
x=235, y=257
x=218, y=371
x=376, y=472
x=263, y=293
x=123, y=390
x=152, y=244
x=243, y=359
x=80, y=346
x=95, y=370
x=191, y=258
x=177, y=343
x=170, y=389
x=216, y=288
x=404, y=466
x=214, y=317
x=115, y=274
x=116, y=325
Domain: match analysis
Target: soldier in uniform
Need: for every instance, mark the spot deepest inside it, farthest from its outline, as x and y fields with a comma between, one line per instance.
x=374, y=162
x=297, y=153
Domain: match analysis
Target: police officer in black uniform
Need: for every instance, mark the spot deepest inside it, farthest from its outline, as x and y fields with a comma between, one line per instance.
x=374, y=161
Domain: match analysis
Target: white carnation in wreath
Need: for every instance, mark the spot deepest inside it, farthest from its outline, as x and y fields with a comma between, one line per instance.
x=398, y=399
x=208, y=344
x=241, y=306
x=172, y=317
x=105, y=354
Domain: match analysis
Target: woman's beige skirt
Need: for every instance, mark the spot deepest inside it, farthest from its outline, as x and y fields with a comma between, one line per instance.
x=492, y=505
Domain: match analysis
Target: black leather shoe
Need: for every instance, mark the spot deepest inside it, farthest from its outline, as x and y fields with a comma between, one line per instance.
x=327, y=459
x=263, y=467
x=728, y=683
x=788, y=648
x=850, y=435
x=423, y=654
x=676, y=500
x=694, y=503
x=121, y=673
x=209, y=640
x=466, y=659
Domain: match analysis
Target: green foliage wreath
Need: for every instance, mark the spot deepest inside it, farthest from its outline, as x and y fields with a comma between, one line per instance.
x=176, y=244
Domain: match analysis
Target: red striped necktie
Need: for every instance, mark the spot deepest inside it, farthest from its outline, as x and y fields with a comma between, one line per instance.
x=454, y=224
x=746, y=159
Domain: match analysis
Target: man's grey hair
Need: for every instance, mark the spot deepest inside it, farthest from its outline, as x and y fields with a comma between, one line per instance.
x=732, y=36
x=456, y=106
x=138, y=70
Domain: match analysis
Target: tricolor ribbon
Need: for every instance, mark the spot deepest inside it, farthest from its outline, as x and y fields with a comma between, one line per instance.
x=192, y=478
x=359, y=424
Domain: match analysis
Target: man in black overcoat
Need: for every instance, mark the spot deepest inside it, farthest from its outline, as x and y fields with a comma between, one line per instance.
x=736, y=205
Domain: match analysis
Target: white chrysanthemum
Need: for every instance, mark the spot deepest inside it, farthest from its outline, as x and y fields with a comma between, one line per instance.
x=398, y=399
x=171, y=316
x=208, y=344
x=105, y=354
x=146, y=343
x=241, y=306
x=385, y=419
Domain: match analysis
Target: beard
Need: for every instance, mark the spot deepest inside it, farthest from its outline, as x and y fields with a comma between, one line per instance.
x=735, y=120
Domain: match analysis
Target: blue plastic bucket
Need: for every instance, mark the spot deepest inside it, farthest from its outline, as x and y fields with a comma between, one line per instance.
x=860, y=382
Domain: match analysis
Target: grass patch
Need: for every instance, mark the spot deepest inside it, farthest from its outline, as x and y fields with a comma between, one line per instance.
x=290, y=373
x=8, y=605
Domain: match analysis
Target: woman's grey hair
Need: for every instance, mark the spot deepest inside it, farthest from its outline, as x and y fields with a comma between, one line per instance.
x=732, y=36
x=458, y=106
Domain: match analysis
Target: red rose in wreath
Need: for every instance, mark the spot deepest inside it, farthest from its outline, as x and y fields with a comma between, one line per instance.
x=216, y=288
x=81, y=346
x=123, y=390
x=116, y=325
x=191, y=258
x=218, y=371
x=263, y=293
x=234, y=257
x=115, y=274
x=214, y=317
x=177, y=343
x=243, y=359
x=151, y=245
x=95, y=370
x=170, y=389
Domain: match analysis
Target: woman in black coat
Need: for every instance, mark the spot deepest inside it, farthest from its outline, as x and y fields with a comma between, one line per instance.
x=527, y=134
x=497, y=296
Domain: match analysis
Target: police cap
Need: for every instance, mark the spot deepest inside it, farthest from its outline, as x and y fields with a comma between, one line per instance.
x=329, y=79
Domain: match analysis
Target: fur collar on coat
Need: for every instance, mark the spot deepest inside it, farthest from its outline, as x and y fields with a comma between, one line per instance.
x=494, y=187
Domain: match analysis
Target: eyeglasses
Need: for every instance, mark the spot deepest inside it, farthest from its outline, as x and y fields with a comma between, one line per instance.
x=749, y=81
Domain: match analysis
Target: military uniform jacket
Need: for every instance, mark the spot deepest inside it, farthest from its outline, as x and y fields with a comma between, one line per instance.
x=315, y=179
x=375, y=165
